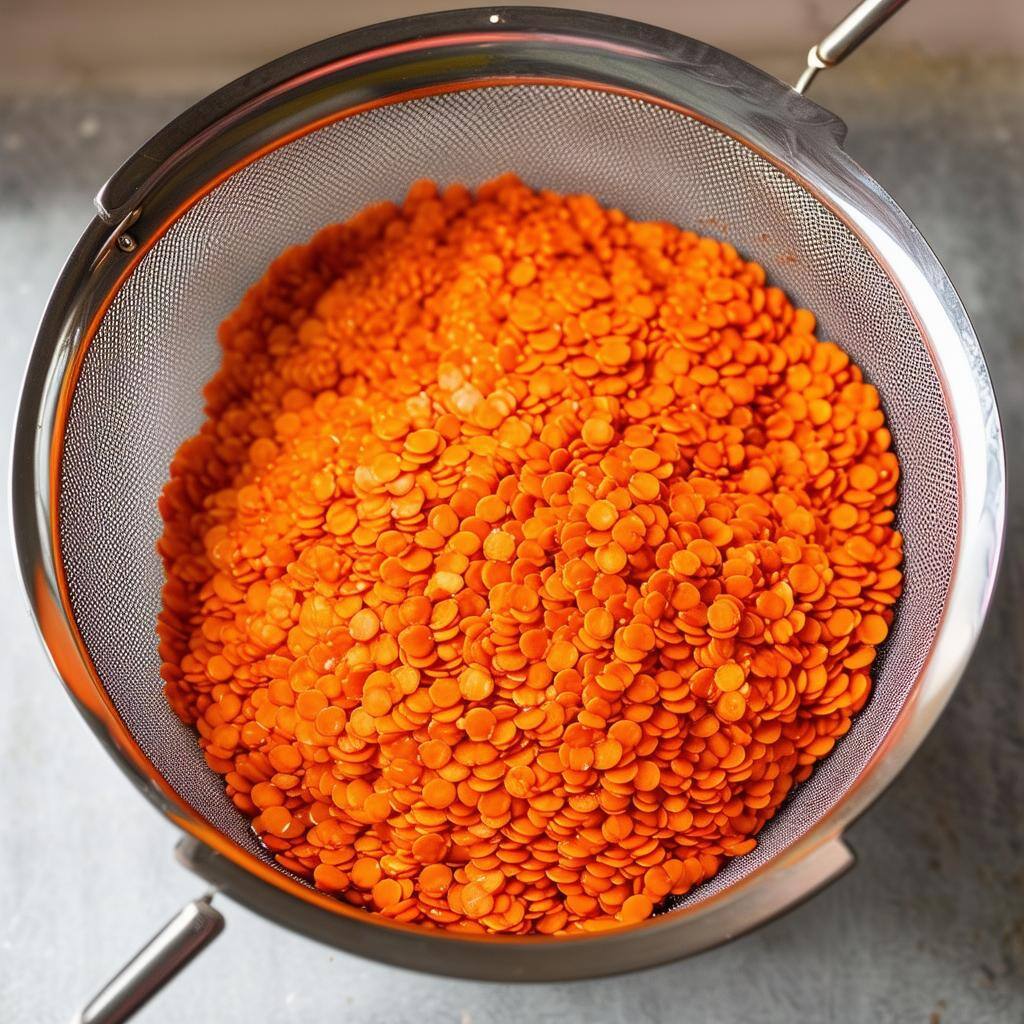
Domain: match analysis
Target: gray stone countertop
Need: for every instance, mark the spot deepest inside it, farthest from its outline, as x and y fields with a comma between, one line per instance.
x=929, y=927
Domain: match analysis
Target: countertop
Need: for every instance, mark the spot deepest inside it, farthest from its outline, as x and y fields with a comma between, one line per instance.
x=929, y=926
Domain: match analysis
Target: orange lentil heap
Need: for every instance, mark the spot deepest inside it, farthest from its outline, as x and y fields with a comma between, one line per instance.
x=526, y=561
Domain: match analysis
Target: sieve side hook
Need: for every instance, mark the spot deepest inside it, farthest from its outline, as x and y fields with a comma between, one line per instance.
x=863, y=21
x=188, y=933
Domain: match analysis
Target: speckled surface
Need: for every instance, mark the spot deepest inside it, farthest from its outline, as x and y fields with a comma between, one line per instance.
x=928, y=927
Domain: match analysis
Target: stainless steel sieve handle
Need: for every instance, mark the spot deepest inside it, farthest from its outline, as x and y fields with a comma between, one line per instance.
x=186, y=934
x=864, y=20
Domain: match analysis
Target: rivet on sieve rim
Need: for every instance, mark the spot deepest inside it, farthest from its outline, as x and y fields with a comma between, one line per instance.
x=126, y=242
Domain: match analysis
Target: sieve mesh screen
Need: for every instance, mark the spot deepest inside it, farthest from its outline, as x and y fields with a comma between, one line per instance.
x=139, y=394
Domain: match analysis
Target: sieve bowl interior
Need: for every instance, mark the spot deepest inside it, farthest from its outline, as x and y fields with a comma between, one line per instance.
x=138, y=392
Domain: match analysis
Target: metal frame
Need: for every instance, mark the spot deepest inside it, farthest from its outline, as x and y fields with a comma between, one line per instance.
x=292, y=96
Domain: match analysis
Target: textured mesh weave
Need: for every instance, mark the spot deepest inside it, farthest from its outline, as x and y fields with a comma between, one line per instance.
x=139, y=394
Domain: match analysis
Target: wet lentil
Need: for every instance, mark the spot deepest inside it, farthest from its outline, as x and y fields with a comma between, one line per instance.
x=527, y=559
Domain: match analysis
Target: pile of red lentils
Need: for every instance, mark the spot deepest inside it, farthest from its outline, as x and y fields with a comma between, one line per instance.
x=526, y=561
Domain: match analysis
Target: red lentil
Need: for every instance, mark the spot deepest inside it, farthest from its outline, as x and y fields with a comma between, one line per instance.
x=526, y=561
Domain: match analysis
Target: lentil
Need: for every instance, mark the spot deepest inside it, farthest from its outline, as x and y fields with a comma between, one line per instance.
x=526, y=561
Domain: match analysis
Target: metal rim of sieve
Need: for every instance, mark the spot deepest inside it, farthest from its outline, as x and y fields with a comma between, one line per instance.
x=474, y=49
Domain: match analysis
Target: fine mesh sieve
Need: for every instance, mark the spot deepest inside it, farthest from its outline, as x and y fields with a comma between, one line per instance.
x=144, y=371
x=658, y=126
